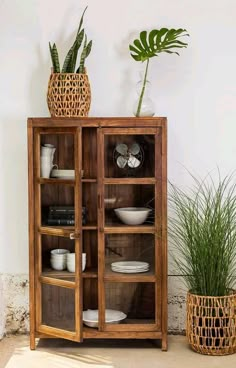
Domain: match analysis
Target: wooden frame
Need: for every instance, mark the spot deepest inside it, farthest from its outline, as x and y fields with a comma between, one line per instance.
x=92, y=235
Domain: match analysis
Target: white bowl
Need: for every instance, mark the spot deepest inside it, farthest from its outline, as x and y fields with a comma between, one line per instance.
x=132, y=215
x=59, y=266
x=90, y=317
x=70, y=262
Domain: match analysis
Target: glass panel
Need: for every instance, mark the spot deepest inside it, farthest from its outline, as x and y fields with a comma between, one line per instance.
x=58, y=307
x=57, y=149
x=135, y=300
x=90, y=294
x=89, y=153
x=57, y=204
x=130, y=247
x=89, y=202
x=55, y=262
x=120, y=196
x=129, y=156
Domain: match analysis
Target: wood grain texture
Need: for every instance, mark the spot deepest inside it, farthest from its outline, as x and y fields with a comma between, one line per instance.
x=31, y=233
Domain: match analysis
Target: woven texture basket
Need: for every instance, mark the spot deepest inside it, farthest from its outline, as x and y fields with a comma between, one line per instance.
x=211, y=324
x=69, y=94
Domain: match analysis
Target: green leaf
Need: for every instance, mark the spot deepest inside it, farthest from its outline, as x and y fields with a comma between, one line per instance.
x=76, y=46
x=151, y=38
x=143, y=38
x=157, y=41
x=89, y=48
x=71, y=57
x=56, y=66
x=81, y=20
x=138, y=44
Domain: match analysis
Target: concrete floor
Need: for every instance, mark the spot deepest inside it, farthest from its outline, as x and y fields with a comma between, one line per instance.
x=15, y=353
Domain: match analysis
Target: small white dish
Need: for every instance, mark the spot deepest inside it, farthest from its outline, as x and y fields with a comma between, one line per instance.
x=63, y=174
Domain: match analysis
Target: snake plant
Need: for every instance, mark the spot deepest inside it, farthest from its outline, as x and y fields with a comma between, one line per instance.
x=69, y=64
x=152, y=44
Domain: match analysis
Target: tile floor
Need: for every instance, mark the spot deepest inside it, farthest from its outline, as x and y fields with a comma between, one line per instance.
x=15, y=353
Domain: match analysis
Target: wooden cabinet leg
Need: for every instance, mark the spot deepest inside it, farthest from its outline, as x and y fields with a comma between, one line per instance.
x=32, y=342
x=164, y=344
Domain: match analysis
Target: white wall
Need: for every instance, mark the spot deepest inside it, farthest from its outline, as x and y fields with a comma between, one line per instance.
x=196, y=91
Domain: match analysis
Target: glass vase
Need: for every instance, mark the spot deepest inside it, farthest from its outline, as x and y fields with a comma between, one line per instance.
x=143, y=106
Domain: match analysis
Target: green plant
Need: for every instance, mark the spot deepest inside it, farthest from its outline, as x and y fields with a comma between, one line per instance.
x=69, y=64
x=152, y=44
x=203, y=232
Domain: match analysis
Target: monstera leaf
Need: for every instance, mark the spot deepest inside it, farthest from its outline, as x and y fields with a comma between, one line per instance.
x=157, y=41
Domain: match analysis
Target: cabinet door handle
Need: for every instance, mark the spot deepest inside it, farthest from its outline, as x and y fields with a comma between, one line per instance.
x=74, y=236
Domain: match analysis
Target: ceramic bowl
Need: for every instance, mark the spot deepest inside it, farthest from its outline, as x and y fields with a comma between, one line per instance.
x=70, y=263
x=132, y=215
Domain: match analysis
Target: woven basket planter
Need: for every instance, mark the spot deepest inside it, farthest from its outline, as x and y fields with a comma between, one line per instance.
x=211, y=324
x=69, y=94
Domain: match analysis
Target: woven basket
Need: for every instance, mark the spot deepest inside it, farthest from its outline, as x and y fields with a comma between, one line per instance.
x=69, y=94
x=211, y=324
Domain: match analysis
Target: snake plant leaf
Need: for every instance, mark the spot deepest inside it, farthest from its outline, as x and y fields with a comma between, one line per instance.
x=82, y=57
x=81, y=20
x=89, y=48
x=70, y=59
x=70, y=62
x=55, y=58
x=162, y=40
x=76, y=46
x=52, y=58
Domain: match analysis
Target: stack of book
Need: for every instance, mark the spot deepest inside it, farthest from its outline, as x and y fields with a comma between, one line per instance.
x=63, y=215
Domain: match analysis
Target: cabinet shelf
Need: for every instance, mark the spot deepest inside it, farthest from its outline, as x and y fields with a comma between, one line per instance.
x=70, y=182
x=128, y=229
x=88, y=273
x=63, y=230
x=111, y=276
x=117, y=181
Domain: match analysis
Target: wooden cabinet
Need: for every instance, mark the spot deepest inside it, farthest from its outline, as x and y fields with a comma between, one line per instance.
x=117, y=163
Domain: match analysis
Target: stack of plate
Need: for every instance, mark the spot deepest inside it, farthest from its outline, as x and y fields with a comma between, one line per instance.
x=130, y=267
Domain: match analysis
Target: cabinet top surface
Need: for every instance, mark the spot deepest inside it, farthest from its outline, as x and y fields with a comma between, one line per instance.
x=97, y=122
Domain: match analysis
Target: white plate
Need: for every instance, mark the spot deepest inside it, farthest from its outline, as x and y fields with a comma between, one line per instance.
x=130, y=264
x=63, y=174
x=126, y=271
x=90, y=317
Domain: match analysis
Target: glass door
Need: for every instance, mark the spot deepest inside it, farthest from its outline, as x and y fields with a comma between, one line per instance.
x=58, y=221
x=129, y=223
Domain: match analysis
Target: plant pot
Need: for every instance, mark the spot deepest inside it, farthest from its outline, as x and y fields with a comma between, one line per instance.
x=69, y=94
x=211, y=324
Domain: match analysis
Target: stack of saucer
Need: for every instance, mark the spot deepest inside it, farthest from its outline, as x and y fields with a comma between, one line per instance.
x=130, y=267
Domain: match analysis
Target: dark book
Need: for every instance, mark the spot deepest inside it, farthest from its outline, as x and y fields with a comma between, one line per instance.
x=63, y=222
x=63, y=216
x=63, y=210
